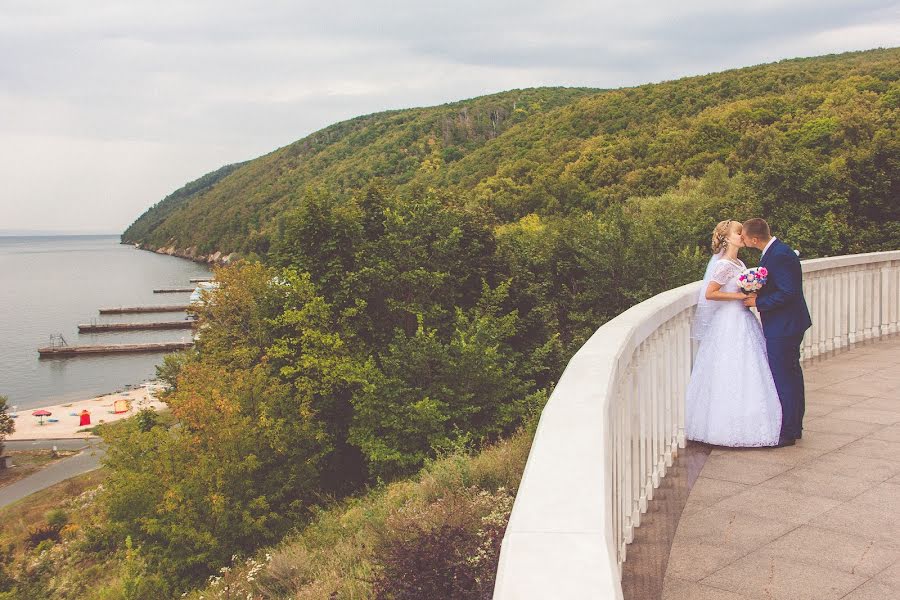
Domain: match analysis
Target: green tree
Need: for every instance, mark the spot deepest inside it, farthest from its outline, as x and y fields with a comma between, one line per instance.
x=7, y=423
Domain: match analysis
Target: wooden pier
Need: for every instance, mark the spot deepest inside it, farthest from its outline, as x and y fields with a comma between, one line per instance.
x=51, y=351
x=201, y=279
x=105, y=327
x=143, y=309
x=173, y=290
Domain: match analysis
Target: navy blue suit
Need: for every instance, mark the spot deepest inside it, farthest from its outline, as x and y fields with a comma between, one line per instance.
x=785, y=318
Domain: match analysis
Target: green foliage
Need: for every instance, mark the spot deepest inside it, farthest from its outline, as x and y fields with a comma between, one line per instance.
x=240, y=211
x=431, y=391
x=446, y=549
x=817, y=137
x=170, y=205
x=41, y=536
x=57, y=518
x=146, y=419
x=7, y=423
x=424, y=276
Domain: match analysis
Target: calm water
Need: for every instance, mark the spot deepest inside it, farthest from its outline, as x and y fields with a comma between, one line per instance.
x=49, y=285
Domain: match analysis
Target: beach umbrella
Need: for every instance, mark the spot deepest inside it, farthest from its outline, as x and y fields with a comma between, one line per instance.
x=41, y=413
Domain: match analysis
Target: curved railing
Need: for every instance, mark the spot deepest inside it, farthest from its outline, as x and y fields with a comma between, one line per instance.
x=615, y=421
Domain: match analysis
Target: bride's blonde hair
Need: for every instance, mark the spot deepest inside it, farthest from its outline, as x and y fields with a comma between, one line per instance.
x=720, y=235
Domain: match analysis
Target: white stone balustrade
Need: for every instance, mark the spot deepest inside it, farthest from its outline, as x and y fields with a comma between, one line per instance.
x=615, y=421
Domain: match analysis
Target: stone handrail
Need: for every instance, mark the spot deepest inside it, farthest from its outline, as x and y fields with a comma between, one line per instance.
x=615, y=421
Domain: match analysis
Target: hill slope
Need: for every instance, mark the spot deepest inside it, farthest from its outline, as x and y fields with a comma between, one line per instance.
x=392, y=145
x=820, y=131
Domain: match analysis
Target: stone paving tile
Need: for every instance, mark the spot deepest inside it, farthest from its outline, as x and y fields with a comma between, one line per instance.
x=833, y=424
x=860, y=518
x=741, y=469
x=891, y=433
x=887, y=373
x=866, y=385
x=806, y=480
x=872, y=590
x=866, y=415
x=825, y=441
x=790, y=507
x=884, y=495
x=890, y=576
x=852, y=554
x=708, y=491
x=872, y=448
x=714, y=527
x=692, y=561
x=676, y=589
x=888, y=404
x=776, y=578
x=841, y=463
x=817, y=410
x=828, y=398
x=789, y=455
x=824, y=377
x=873, y=360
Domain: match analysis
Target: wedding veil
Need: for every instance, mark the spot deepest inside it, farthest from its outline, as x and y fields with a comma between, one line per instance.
x=705, y=308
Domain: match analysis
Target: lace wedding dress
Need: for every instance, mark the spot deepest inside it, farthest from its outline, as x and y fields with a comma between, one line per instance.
x=731, y=398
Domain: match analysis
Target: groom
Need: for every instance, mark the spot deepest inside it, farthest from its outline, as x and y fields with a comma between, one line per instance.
x=785, y=318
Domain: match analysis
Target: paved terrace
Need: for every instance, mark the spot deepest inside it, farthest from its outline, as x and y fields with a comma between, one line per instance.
x=817, y=521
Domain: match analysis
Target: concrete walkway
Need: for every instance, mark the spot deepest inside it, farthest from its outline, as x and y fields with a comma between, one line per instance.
x=86, y=460
x=815, y=521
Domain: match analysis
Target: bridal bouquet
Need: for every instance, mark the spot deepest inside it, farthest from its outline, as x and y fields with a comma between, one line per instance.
x=752, y=280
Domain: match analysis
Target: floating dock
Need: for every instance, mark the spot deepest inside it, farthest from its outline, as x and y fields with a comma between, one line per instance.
x=201, y=280
x=51, y=351
x=143, y=309
x=173, y=290
x=104, y=327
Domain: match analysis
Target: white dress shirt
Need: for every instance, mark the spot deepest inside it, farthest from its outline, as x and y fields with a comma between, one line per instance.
x=767, y=247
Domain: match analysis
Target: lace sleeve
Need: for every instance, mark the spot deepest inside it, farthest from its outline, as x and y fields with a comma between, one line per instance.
x=723, y=272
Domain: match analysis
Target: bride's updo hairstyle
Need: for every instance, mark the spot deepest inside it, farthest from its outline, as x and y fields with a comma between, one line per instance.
x=720, y=235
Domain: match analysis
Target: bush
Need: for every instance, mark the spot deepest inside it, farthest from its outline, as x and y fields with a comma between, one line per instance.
x=40, y=533
x=57, y=518
x=146, y=419
x=7, y=425
x=446, y=549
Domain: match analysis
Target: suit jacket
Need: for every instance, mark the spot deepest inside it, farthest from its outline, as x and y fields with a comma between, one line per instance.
x=780, y=302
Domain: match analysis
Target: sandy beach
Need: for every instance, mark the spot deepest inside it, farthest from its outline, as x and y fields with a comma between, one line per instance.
x=65, y=419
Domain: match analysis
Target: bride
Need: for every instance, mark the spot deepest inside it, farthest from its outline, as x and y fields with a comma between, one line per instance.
x=731, y=398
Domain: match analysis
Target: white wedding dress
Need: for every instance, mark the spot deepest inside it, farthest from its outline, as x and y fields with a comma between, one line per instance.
x=731, y=399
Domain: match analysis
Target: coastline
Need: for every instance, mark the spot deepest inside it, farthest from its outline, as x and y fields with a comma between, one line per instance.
x=68, y=414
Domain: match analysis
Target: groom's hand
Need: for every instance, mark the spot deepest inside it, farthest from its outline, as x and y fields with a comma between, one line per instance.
x=750, y=300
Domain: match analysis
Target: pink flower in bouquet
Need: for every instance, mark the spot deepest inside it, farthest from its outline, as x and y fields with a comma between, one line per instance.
x=752, y=280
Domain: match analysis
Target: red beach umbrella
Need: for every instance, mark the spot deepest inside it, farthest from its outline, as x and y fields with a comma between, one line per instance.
x=41, y=413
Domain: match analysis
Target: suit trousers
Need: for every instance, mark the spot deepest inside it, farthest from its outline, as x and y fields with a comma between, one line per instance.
x=784, y=361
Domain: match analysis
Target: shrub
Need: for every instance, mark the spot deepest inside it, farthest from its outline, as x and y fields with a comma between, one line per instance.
x=40, y=533
x=446, y=549
x=57, y=518
x=146, y=419
x=7, y=425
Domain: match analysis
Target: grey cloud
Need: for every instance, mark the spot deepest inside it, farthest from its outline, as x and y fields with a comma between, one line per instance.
x=188, y=85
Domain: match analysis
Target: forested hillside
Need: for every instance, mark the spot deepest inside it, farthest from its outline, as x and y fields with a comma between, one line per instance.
x=416, y=283
x=818, y=134
x=394, y=145
x=169, y=206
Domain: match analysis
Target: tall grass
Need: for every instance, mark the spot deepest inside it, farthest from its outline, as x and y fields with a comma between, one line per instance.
x=413, y=538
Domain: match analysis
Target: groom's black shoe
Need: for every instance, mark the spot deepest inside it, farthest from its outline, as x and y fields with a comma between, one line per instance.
x=782, y=442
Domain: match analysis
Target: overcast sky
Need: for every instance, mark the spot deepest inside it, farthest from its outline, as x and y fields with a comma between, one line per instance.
x=107, y=106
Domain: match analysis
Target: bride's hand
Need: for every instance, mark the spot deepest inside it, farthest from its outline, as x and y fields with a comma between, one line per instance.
x=750, y=300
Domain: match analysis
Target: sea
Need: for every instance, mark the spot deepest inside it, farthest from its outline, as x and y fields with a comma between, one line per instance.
x=50, y=284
